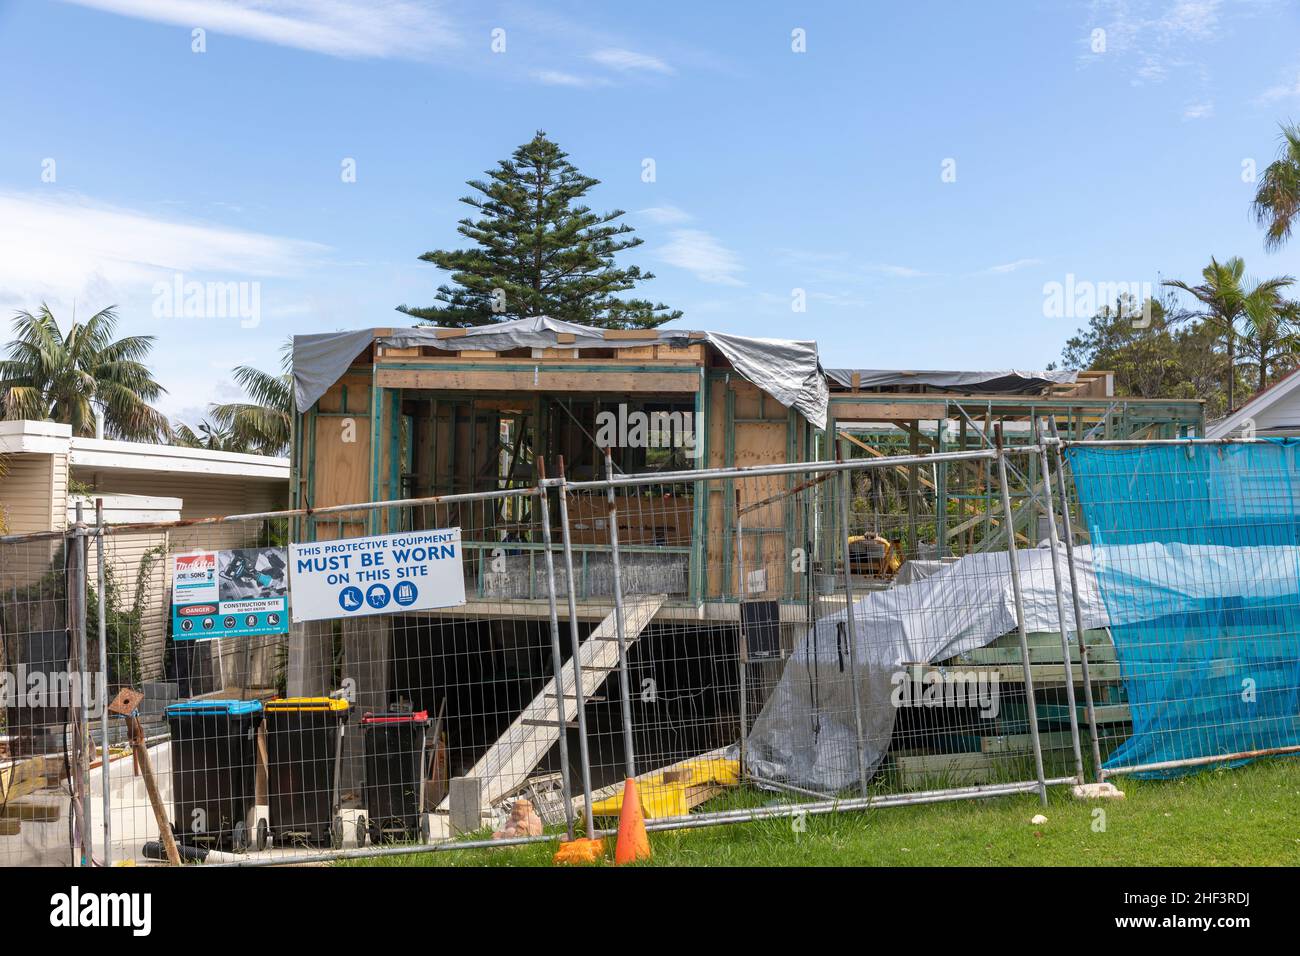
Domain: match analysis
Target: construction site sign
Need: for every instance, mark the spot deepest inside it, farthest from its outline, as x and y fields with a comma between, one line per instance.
x=381, y=574
x=230, y=593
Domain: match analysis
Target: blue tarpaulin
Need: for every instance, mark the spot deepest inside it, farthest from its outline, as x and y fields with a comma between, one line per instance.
x=1196, y=552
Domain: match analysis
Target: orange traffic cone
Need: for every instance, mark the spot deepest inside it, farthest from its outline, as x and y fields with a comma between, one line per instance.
x=633, y=842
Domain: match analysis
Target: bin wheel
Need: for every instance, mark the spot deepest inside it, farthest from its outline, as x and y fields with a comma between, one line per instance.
x=424, y=828
x=336, y=833
x=239, y=837
x=361, y=830
x=262, y=833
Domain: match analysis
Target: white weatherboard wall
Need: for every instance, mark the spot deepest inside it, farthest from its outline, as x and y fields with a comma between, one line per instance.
x=137, y=560
x=139, y=483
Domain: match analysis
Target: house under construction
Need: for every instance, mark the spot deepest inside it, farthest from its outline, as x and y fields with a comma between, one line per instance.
x=414, y=413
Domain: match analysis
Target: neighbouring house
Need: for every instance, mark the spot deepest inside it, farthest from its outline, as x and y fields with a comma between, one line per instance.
x=1272, y=413
x=47, y=471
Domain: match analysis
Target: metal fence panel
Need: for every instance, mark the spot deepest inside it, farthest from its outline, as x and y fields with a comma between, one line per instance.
x=746, y=642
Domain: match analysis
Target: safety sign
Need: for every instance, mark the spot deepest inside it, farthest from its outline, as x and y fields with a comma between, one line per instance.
x=382, y=574
x=230, y=593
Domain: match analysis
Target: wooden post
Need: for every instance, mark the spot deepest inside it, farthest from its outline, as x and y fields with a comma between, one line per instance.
x=151, y=787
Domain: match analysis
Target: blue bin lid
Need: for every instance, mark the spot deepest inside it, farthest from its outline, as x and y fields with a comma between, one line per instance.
x=232, y=708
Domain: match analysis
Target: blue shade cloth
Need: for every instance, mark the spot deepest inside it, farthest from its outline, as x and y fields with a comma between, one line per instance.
x=1196, y=551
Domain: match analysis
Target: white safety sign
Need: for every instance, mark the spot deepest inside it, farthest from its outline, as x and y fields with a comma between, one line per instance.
x=383, y=574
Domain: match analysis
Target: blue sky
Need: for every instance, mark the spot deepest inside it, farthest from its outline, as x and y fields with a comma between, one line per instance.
x=775, y=170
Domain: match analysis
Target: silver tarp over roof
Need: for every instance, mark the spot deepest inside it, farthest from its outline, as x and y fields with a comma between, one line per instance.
x=1007, y=381
x=787, y=370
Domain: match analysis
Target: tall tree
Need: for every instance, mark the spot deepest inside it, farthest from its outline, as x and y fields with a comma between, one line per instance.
x=261, y=424
x=538, y=250
x=1226, y=299
x=1163, y=358
x=55, y=376
x=1271, y=341
x=1277, y=198
x=1142, y=356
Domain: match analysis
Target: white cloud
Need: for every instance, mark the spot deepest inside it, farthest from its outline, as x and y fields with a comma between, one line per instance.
x=1160, y=35
x=560, y=78
x=410, y=29
x=901, y=272
x=666, y=215
x=1197, y=19
x=701, y=254
x=1195, y=111
x=1288, y=89
x=58, y=249
x=628, y=60
x=1005, y=267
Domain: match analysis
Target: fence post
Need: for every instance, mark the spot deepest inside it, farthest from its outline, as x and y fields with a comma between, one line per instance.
x=742, y=642
x=1089, y=706
x=580, y=697
x=101, y=624
x=1031, y=703
x=557, y=659
x=624, y=682
x=1060, y=602
x=77, y=586
x=846, y=491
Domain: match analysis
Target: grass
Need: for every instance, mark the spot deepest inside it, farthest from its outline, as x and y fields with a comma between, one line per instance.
x=1247, y=816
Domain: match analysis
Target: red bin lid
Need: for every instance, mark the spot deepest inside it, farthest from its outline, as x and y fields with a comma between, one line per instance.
x=419, y=717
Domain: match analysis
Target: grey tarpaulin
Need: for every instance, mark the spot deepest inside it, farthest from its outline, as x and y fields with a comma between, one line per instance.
x=786, y=370
x=1001, y=381
x=805, y=734
x=807, y=737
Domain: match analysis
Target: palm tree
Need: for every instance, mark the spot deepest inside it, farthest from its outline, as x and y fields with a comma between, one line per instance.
x=53, y=376
x=262, y=424
x=209, y=436
x=1277, y=199
x=1272, y=339
x=1227, y=298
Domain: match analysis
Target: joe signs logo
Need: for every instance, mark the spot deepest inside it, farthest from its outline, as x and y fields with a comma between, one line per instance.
x=385, y=574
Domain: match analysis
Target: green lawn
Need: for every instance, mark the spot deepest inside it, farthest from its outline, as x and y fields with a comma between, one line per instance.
x=1249, y=816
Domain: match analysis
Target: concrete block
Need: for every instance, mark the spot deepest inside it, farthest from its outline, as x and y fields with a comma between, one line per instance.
x=465, y=802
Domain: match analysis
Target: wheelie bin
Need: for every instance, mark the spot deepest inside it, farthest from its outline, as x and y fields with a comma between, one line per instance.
x=394, y=771
x=213, y=765
x=304, y=746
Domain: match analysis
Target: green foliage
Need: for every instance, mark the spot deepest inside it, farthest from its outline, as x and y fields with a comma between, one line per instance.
x=1277, y=198
x=1226, y=300
x=209, y=436
x=261, y=425
x=538, y=251
x=1239, y=330
x=52, y=376
x=1160, y=359
x=122, y=623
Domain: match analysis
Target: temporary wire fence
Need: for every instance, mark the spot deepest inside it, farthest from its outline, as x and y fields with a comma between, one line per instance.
x=747, y=643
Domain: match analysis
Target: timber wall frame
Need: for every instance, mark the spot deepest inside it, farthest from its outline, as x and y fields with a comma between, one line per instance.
x=741, y=425
x=926, y=420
